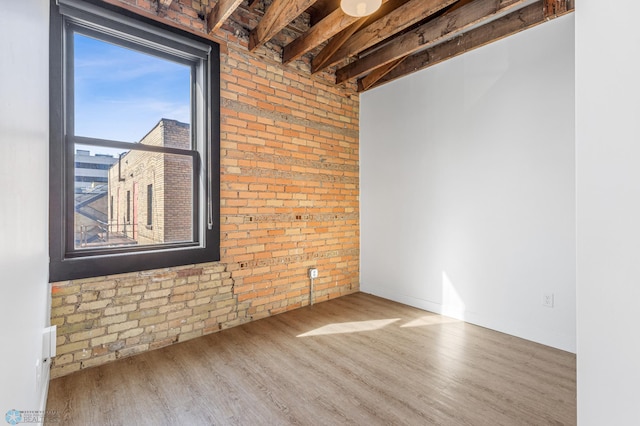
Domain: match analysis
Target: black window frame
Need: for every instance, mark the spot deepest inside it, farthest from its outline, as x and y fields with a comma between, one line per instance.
x=145, y=35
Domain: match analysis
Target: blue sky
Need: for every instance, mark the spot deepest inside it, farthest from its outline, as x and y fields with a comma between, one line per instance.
x=121, y=94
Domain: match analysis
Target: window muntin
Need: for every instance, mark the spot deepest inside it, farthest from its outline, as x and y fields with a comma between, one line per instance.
x=115, y=75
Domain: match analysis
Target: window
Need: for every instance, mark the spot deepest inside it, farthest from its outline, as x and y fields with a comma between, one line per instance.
x=128, y=218
x=92, y=166
x=150, y=204
x=90, y=179
x=138, y=101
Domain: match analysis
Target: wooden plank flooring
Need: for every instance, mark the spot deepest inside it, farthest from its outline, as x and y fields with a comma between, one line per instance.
x=357, y=360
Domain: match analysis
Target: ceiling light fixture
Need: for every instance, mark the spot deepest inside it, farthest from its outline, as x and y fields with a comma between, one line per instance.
x=360, y=8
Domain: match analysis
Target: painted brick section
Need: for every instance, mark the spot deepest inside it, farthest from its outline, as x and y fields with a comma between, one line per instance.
x=289, y=201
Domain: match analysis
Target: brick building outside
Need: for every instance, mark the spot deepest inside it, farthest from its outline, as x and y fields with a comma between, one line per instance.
x=151, y=194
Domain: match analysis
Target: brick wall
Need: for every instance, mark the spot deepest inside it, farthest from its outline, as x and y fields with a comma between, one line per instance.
x=177, y=199
x=289, y=201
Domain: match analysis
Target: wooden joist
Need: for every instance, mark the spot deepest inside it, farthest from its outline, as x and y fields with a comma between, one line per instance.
x=428, y=34
x=321, y=10
x=395, y=21
x=331, y=25
x=498, y=29
x=220, y=12
x=369, y=80
x=276, y=17
x=321, y=60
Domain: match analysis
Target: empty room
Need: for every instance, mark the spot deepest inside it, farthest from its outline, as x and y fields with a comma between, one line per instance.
x=265, y=212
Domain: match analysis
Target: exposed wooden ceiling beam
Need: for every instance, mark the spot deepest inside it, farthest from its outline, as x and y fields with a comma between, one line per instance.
x=220, y=12
x=276, y=17
x=321, y=60
x=428, y=34
x=370, y=79
x=510, y=24
x=321, y=9
x=392, y=23
x=331, y=25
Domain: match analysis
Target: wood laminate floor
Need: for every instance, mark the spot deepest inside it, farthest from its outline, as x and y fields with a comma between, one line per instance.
x=357, y=360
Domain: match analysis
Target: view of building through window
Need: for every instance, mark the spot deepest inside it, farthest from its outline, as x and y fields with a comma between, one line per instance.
x=141, y=198
x=135, y=196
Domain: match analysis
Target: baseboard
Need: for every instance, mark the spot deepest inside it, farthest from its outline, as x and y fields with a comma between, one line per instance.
x=544, y=337
x=44, y=388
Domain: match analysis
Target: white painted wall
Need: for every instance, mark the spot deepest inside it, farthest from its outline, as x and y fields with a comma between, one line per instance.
x=467, y=186
x=24, y=159
x=608, y=212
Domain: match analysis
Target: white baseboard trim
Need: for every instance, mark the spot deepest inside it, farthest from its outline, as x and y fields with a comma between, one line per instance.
x=547, y=338
x=44, y=387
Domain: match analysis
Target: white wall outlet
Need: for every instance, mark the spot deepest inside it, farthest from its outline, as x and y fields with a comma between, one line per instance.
x=313, y=273
x=547, y=300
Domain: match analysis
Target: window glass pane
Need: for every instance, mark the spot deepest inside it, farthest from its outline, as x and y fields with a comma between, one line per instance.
x=142, y=198
x=120, y=94
x=131, y=152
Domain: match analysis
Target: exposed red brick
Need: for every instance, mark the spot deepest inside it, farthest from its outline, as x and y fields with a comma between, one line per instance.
x=289, y=201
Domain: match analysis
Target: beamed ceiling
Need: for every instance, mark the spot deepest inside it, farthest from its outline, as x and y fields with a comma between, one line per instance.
x=403, y=36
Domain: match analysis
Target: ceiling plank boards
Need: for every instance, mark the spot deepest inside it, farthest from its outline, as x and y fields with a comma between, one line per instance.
x=220, y=12
x=395, y=21
x=510, y=24
x=428, y=34
x=276, y=17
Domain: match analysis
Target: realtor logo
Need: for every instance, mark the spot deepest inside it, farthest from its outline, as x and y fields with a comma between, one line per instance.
x=13, y=417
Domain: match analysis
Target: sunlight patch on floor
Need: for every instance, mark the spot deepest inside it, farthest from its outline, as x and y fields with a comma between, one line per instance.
x=429, y=320
x=350, y=327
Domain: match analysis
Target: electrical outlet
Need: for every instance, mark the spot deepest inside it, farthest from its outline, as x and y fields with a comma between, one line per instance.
x=547, y=300
x=313, y=273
